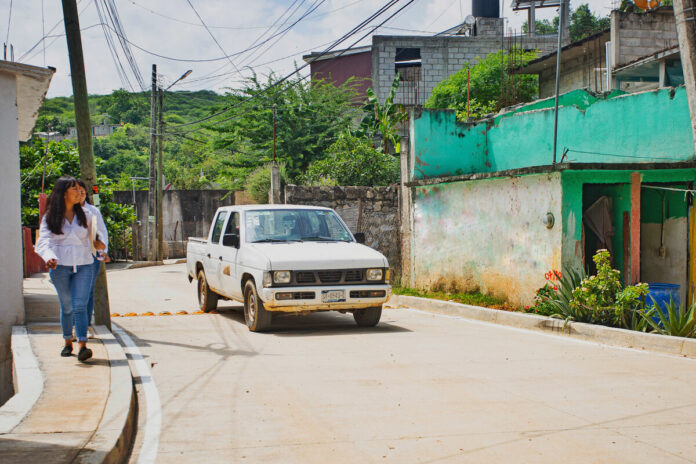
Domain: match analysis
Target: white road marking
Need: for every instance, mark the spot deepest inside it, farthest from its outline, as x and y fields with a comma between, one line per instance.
x=153, y=421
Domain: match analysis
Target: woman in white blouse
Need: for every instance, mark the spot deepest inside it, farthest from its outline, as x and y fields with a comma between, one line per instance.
x=64, y=244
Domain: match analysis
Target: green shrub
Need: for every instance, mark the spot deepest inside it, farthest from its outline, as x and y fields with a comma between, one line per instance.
x=678, y=322
x=258, y=182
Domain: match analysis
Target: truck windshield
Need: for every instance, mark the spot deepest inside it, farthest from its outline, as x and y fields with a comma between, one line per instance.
x=287, y=225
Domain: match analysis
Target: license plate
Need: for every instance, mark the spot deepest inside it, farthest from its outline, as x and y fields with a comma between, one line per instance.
x=333, y=296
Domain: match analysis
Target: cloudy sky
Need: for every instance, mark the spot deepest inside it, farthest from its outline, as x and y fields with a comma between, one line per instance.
x=173, y=29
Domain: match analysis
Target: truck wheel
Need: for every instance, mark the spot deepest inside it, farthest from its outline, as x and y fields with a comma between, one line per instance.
x=207, y=299
x=255, y=315
x=367, y=317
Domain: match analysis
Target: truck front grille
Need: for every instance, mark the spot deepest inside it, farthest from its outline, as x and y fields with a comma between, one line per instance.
x=330, y=277
x=305, y=277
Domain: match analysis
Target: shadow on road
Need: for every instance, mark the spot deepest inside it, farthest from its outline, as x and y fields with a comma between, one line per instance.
x=328, y=323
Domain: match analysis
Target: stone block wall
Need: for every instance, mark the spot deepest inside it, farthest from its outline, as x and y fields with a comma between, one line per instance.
x=372, y=210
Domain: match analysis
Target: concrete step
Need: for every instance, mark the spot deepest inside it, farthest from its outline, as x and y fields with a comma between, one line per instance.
x=40, y=299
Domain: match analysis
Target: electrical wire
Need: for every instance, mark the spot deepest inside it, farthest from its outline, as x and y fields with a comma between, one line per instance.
x=352, y=32
x=42, y=39
x=123, y=40
x=120, y=69
x=649, y=157
x=9, y=21
x=43, y=32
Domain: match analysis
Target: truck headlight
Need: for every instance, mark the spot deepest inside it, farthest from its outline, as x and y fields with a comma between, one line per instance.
x=374, y=274
x=281, y=277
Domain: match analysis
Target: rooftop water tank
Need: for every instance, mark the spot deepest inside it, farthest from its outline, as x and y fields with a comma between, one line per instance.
x=485, y=8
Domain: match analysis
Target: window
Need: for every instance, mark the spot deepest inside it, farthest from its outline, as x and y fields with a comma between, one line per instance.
x=407, y=62
x=283, y=225
x=217, y=228
x=233, y=225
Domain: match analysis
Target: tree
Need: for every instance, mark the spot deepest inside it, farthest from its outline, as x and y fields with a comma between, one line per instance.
x=383, y=120
x=310, y=116
x=583, y=23
x=485, y=85
x=353, y=161
x=123, y=106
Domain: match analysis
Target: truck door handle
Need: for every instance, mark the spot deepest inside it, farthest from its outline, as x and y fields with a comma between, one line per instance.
x=208, y=255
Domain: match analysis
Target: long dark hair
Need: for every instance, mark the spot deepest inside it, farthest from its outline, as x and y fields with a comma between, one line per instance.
x=82, y=184
x=56, y=205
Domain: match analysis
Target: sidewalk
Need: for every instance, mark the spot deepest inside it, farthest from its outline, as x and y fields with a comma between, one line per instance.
x=84, y=411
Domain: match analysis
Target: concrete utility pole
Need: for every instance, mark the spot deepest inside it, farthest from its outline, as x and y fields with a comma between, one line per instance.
x=152, y=186
x=684, y=15
x=84, y=139
x=160, y=178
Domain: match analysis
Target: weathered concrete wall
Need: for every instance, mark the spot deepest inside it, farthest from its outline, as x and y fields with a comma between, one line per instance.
x=11, y=301
x=186, y=213
x=441, y=56
x=372, y=210
x=595, y=130
x=487, y=234
x=637, y=35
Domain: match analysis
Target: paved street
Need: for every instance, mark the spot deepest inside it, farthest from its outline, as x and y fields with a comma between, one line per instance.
x=418, y=388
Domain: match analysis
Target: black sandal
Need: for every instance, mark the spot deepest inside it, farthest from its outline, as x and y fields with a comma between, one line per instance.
x=66, y=351
x=84, y=354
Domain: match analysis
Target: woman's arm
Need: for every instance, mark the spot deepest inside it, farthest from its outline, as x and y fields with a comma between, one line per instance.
x=45, y=245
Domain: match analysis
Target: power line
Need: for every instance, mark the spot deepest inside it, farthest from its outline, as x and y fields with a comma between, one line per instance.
x=211, y=34
x=352, y=32
x=120, y=70
x=9, y=20
x=123, y=40
x=649, y=157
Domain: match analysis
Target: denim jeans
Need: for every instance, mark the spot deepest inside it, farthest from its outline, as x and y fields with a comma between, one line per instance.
x=73, y=290
x=90, y=304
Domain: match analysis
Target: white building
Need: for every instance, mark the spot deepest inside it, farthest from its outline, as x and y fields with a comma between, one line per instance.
x=22, y=91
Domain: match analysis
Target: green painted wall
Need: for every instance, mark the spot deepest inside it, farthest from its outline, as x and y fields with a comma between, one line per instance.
x=615, y=129
x=573, y=183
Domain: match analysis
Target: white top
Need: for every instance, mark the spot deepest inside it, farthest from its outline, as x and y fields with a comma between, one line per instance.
x=101, y=227
x=71, y=248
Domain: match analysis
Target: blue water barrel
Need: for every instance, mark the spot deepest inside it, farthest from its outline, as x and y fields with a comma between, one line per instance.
x=660, y=294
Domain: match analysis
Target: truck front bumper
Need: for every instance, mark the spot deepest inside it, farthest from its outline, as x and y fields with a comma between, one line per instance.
x=299, y=299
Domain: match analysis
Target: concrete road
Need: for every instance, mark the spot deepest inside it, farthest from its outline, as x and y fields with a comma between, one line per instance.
x=418, y=388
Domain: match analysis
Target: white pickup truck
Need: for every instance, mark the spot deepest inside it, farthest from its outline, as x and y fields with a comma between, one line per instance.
x=287, y=258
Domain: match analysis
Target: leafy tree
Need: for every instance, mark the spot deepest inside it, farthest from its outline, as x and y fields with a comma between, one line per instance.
x=485, y=85
x=384, y=119
x=62, y=159
x=123, y=106
x=583, y=23
x=353, y=161
x=258, y=183
x=310, y=116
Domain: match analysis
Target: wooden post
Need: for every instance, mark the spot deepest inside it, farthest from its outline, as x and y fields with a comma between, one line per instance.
x=88, y=173
x=685, y=17
x=635, y=227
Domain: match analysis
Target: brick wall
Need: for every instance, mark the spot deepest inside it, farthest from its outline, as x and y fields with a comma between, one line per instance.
x=372, y=210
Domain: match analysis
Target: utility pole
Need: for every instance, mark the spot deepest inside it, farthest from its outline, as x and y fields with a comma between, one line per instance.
x=160, y=178
x=152, y=186
x=84, y=139
x=684, y=15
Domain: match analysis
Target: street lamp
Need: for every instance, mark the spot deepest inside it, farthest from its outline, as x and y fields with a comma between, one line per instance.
x=183, y=76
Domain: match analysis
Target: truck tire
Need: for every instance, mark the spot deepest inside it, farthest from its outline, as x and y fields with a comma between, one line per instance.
x=368, y=317
x=207, y=299
x=255, y=314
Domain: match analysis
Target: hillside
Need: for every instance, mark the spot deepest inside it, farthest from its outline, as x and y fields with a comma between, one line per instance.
x=57, y=114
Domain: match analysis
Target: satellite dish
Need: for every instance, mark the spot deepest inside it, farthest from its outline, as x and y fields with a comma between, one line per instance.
x=470, y=20
x=647, y=4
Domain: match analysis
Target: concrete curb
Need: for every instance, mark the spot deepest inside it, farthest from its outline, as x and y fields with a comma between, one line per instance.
x=111, y=441
x=677, y=346
x=27, y=378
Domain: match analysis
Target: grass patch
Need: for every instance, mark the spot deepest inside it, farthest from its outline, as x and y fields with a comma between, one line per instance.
x=470, y=298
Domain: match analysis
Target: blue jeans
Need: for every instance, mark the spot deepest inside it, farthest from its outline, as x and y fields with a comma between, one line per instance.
x=90, y=304
x=73, y=290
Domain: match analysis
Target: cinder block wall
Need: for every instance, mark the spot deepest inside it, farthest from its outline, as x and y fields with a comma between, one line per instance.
x=441, y=56
x=637, y=35
x=372, y=210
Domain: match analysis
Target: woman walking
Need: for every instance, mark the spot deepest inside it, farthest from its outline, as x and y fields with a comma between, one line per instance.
x=64, y=244
x=102, y=237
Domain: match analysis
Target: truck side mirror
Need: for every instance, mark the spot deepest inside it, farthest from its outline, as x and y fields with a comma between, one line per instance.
x=230, y=240
x=359, y=237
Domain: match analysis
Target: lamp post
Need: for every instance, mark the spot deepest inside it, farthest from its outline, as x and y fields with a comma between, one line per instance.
x=160, y=181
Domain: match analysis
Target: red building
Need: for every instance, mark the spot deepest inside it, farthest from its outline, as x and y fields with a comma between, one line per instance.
x=340, y=65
